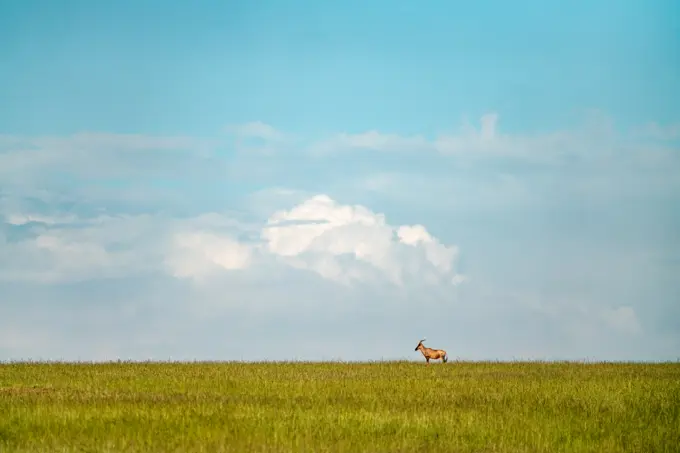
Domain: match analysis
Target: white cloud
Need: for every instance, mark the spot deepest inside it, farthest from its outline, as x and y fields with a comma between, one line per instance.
x=28, y=161
x=372, y=141
x=51, y=257
x=442, y=257
x=320, y=234
x=23, y=219
x=256, y=129
x=594, y=139
x=197, y=254
x=468, y=139
x=98, y=247
x=98, y=141
x=488, y=141
x=339, y=242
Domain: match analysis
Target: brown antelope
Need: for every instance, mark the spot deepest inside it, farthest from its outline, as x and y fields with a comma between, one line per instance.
x=429, y=353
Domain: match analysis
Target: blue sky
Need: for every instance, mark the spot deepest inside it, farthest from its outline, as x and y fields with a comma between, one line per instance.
x=178, y=179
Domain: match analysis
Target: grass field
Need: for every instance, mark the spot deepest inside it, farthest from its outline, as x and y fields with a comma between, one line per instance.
x=323, y=407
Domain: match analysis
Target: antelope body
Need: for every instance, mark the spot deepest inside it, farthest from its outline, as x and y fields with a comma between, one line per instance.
x=431, y=354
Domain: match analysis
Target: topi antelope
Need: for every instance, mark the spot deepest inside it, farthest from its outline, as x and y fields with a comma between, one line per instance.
x=429, y=353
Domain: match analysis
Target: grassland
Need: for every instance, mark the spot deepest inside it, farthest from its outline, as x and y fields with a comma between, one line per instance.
x=324, y=407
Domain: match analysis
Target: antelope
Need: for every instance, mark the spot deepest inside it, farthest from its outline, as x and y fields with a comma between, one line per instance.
x=429, y=353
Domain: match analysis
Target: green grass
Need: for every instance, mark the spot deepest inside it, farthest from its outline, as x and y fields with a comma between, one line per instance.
x=323, y=407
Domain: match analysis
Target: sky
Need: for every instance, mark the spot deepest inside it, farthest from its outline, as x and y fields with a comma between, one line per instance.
x=298, y=180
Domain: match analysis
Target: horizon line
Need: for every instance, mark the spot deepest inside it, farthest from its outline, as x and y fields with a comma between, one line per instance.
x=326, y=361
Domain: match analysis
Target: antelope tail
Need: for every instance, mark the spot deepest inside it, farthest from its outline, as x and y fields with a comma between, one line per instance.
x=446, y=358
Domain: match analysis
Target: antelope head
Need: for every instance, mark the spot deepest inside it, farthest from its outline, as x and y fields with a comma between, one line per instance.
x=420, y=344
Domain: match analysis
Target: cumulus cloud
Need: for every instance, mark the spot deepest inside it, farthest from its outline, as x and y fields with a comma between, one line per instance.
x=342, y=243
x=320, y=234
